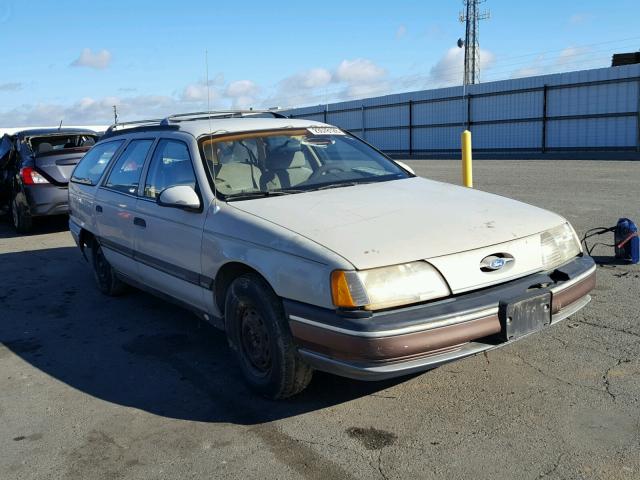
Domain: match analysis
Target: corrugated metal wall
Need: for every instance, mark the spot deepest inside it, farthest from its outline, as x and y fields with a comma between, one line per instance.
x=584, y=110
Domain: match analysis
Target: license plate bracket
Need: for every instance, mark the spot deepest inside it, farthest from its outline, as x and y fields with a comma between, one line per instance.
x=523, y=315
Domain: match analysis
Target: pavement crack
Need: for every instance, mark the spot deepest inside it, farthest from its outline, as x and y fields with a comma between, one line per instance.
x=380, y=470
x=605, y=378
x=563, y=342
x=607, y=327
x=556, y=378
x=554, y=467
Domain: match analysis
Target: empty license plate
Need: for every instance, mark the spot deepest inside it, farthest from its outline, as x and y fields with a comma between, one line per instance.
x=524, y=315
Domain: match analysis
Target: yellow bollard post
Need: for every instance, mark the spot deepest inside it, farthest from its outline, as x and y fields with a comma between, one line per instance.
x=467, y=169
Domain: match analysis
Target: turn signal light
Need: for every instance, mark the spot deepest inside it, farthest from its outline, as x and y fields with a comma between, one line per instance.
x=340, y=290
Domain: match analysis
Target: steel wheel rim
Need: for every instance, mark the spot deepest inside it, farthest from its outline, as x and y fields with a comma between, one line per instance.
x=255, y=342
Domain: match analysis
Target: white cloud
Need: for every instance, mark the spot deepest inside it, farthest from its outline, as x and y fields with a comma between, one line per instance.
x=580, y=18
x=241, y=88
x=365, y=90
x=449, y=70
x=98, y=60
x=354, y=78
x=360, y=70
x=351, y=78
x=299, y=88
x=242, y=93
x=309, y=79
x=195, y=92
x=569, y=58
x=10, y=87
x=570, y=54
x=401, y=31
x=91, y=111
x=198, y=92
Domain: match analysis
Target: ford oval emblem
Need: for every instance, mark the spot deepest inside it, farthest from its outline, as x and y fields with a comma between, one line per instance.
x=495, y=262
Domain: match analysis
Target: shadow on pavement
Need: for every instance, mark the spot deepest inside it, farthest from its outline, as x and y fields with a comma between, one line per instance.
x=135, y=350
x=41, y=226
x=604, y=260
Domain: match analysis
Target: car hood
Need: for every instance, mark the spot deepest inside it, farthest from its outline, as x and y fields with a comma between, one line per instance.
x=387, y=223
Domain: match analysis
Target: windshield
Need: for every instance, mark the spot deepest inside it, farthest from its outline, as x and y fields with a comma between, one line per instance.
x=292, y=161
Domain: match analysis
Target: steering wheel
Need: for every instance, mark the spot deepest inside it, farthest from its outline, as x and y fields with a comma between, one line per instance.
x=324, y=170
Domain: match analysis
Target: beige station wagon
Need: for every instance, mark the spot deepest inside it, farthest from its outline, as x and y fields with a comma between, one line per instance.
x=313, y=250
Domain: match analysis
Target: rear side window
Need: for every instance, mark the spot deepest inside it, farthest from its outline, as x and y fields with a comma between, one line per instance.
x=170, y=166
x=125, y=174
x=92, y=165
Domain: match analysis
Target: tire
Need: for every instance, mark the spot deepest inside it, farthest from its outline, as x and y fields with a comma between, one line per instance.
x=106, y=278
x=259, y=335
x=22, y=221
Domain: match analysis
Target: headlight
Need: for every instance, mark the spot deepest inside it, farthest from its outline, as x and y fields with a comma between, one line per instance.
x=558, y=245
x=388, y=286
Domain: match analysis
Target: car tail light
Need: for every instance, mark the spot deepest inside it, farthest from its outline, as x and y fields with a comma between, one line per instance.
x=31, y=177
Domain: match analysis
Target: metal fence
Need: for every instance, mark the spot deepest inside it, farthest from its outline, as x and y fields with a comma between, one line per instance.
x=589, y=110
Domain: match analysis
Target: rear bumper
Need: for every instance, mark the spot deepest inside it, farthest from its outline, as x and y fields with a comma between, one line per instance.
x=47, y=199
x=403, y=341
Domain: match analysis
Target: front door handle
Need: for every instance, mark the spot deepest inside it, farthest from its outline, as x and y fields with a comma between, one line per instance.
x=140, y=222
x=99, y=208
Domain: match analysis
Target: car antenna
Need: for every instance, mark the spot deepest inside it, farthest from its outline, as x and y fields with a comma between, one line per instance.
x=213, y=167
x=60, y=126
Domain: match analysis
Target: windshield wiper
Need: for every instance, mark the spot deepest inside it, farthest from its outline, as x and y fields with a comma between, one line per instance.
x=338, y=185
x=260, y=194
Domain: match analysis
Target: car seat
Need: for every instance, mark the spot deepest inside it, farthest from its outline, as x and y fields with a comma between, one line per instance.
x=236, y=171
x=45, y=147
x=285, y=169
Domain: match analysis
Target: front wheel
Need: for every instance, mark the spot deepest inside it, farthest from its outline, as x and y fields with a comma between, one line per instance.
x=260, y=337
x=106, y=278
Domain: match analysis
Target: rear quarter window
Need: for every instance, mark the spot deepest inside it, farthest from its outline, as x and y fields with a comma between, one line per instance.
x=93, y=164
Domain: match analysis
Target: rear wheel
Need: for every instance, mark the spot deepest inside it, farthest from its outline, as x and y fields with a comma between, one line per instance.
x=106, y=278
x=22, y=221
x=260, y=337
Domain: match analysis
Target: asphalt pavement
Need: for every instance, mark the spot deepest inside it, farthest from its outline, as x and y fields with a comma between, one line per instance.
x=93, y=387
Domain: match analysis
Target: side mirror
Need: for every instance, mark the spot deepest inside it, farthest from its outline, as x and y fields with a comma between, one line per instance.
x=405, y=166
x=179, y=196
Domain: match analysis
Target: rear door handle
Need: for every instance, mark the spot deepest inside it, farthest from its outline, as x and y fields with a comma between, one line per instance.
x=98, y=209
x=140, y=222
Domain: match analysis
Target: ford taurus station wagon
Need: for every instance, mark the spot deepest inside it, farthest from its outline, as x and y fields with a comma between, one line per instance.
x=313, y=250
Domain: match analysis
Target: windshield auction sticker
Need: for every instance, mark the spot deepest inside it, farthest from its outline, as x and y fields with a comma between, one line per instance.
x=325, y=131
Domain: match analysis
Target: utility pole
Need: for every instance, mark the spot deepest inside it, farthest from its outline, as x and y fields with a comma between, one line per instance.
x=115, y=114
x=472, y=16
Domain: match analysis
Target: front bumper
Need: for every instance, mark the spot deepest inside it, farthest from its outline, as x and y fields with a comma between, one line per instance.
x=375, y=346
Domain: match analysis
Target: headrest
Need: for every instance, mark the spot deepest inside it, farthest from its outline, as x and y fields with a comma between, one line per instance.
x=45, y=147
x=299, y=160
x=283, y=158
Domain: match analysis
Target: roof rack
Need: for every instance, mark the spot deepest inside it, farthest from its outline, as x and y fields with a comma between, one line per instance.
x=188, y=117
x=135, y=123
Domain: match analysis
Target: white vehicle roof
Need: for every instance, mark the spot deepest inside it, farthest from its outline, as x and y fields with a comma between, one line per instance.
x=204, y=123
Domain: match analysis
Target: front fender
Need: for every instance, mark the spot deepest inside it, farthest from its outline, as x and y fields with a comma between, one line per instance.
x=295, y=267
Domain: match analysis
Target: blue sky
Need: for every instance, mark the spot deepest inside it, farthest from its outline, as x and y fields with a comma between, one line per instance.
x=72, y=60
